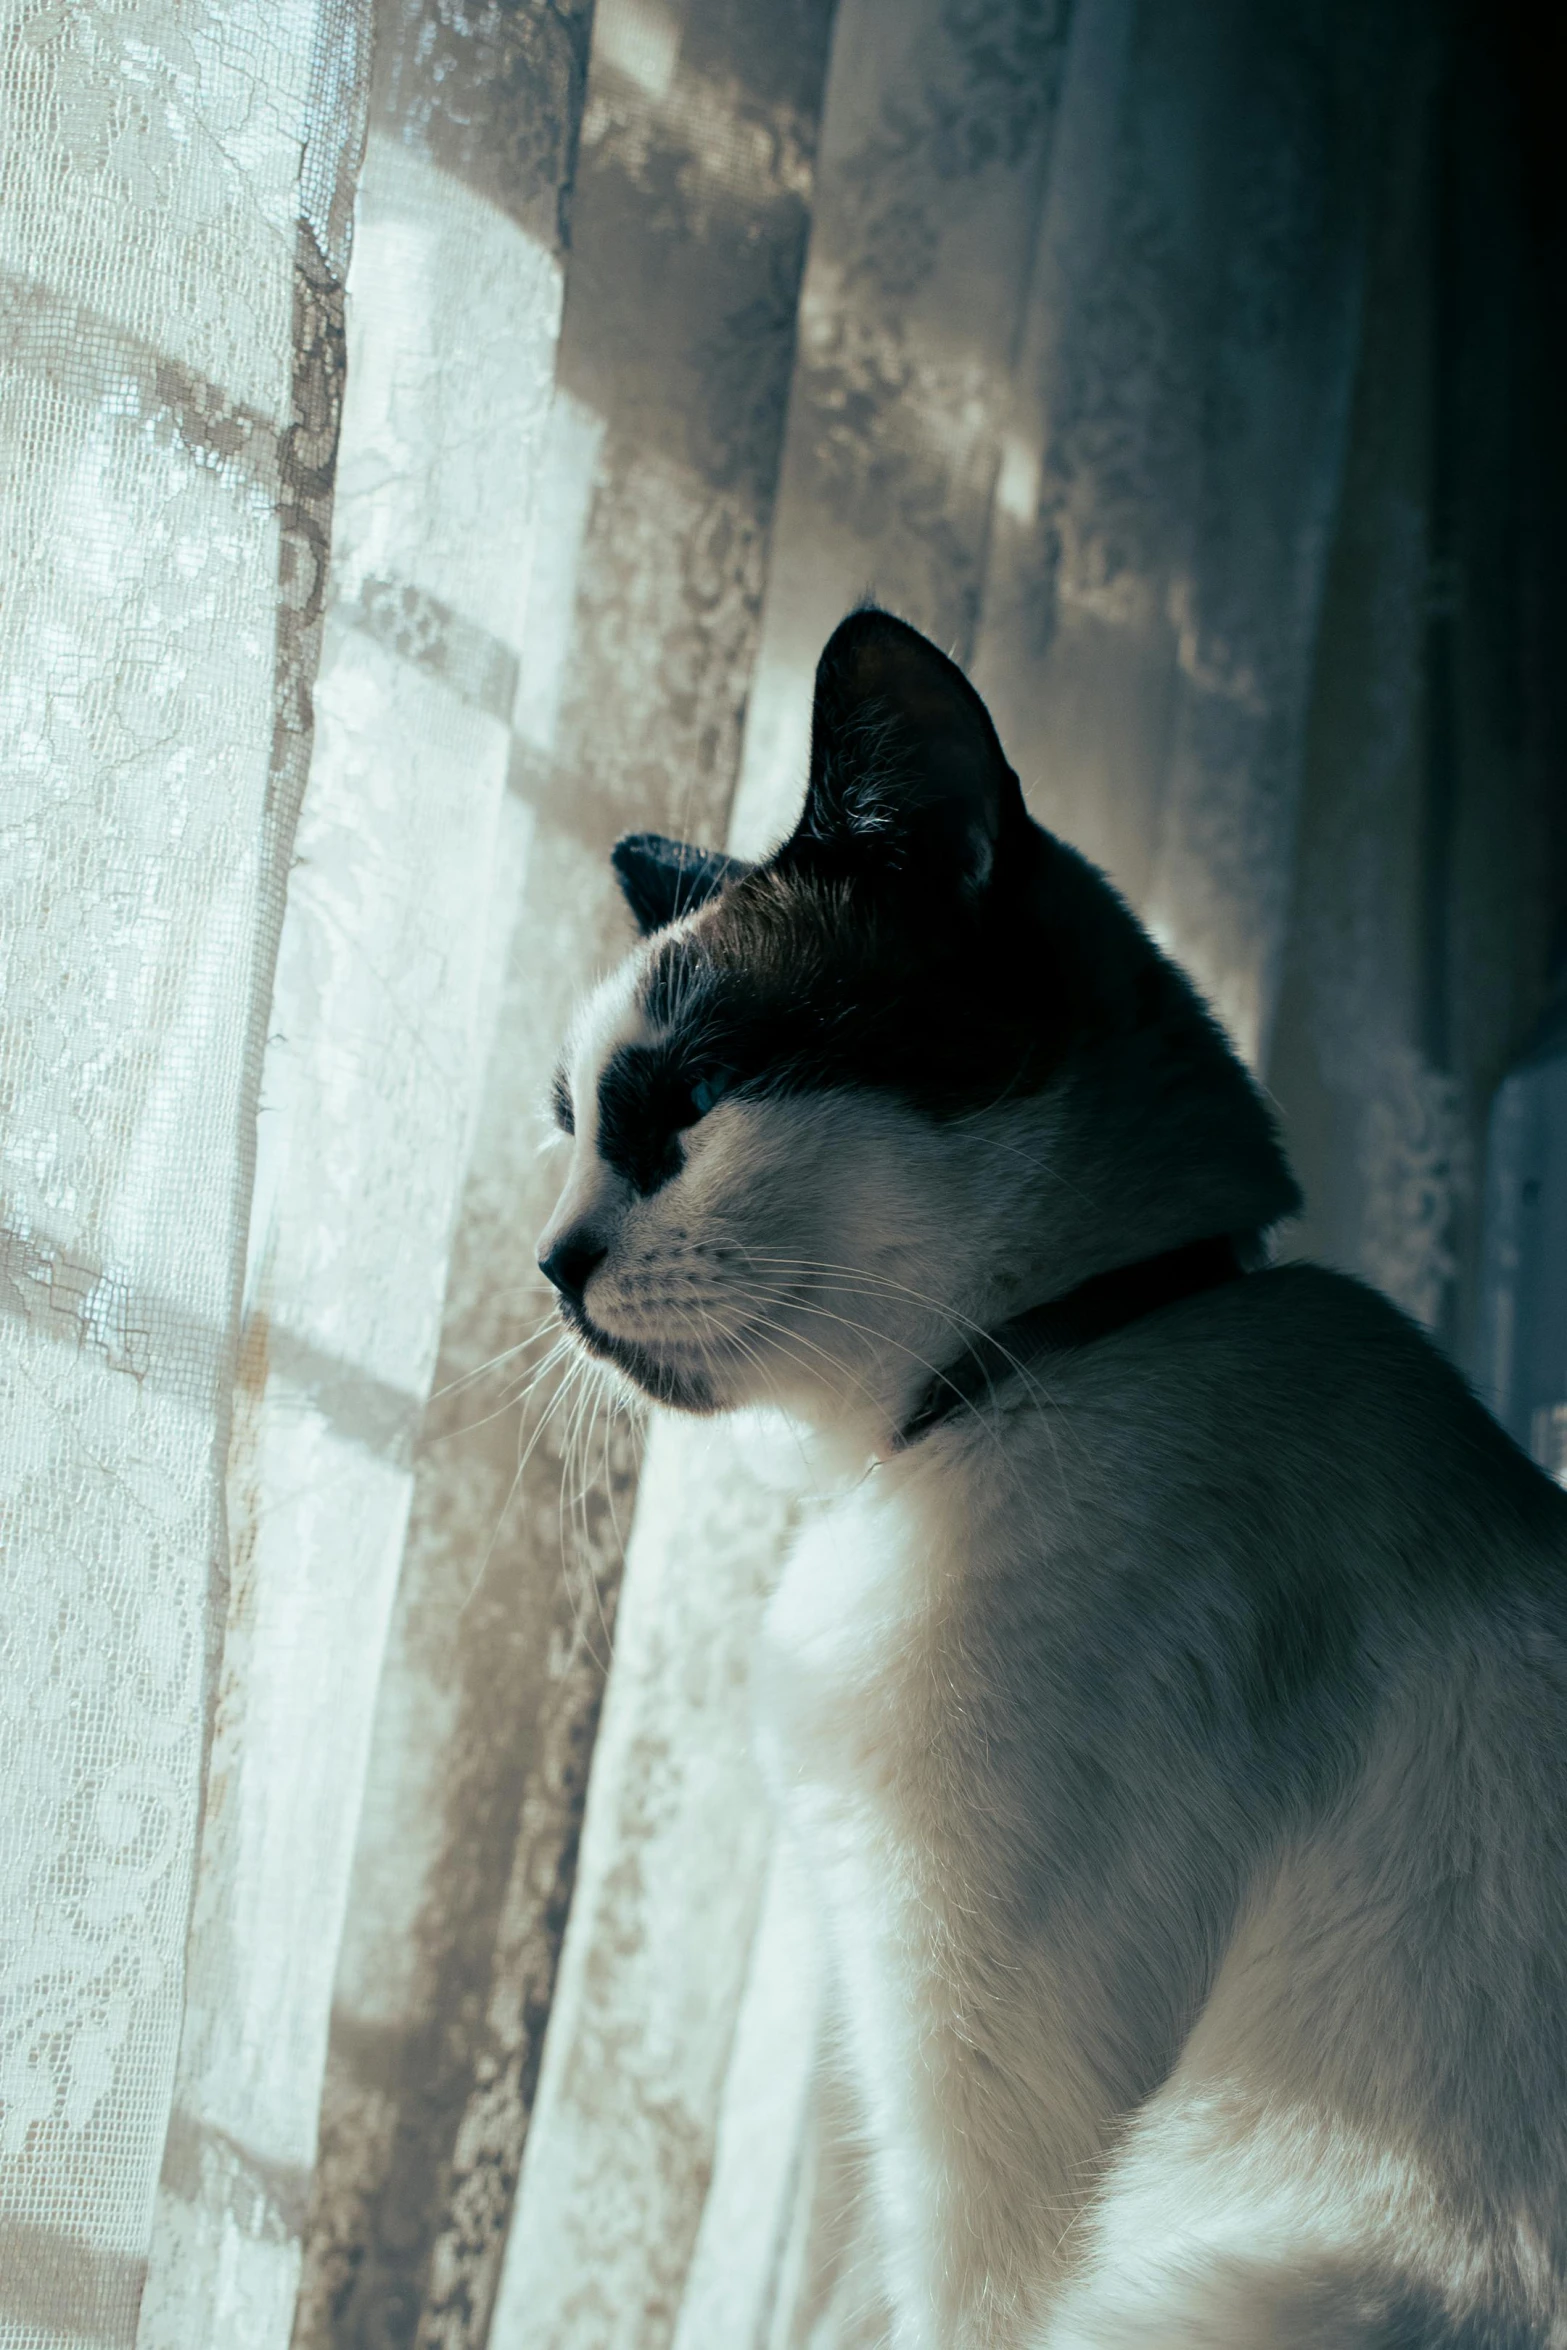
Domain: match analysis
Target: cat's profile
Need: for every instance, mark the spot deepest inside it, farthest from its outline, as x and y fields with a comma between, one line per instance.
x=1173, y=1713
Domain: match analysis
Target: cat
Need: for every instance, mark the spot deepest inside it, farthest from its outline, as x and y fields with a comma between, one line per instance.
x=1172, y=1707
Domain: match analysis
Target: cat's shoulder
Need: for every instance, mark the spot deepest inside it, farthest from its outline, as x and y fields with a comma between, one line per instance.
x=1314, y=1345
x=1296, y=1395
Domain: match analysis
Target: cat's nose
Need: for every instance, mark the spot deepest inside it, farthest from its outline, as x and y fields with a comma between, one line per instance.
x=571, y=1262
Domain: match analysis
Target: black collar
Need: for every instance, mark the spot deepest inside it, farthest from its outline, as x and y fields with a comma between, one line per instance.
x=1096, y=1307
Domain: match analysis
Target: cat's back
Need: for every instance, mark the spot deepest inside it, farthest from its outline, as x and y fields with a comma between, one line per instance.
x=1290, y=1430
x=1376, y=1583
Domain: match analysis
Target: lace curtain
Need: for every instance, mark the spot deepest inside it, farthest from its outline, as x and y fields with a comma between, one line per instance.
x=373, y=1700
x=175, y=195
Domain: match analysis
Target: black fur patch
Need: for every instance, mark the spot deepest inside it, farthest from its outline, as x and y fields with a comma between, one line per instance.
x=646, y=1102
x=919, y=936
x=801, y=978
x=662, y=879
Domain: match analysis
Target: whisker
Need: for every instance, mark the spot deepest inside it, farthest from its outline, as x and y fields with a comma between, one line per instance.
x=545, y=1417
x=859, y=1274
x=612, y=1404
x=774, y=1330
x=466, y=1378
x=518, y=1395
x=567, y=1502
x=886, y=1338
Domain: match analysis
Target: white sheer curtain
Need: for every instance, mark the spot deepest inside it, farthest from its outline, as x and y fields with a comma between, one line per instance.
x=172, y=414
x=349, y=609
x=405, y=876
x=173, y=185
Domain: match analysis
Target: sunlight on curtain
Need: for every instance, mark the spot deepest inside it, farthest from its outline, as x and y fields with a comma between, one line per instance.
x=688, y=226
x=1154, y=581
x=674, y=1853
x=936, y=138
x=399, y=910
x=170, y=202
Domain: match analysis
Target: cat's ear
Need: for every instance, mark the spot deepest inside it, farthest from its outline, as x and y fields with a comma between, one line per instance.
x=662, y=879
x=905, y=764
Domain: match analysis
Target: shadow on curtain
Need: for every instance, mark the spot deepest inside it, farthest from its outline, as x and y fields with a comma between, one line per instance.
x=1186, y=371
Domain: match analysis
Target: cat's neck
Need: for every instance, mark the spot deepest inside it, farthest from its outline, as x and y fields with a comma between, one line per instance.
x=993, y=1359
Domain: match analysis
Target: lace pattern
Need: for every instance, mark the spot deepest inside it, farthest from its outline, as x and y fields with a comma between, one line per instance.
x=350, y=612
x=171, y=459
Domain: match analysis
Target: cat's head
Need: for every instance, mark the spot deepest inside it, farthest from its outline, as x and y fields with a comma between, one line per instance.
x=914, y=1071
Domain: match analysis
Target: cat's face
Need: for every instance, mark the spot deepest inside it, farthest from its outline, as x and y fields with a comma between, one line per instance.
x=770, y=1197
x=828, y=1118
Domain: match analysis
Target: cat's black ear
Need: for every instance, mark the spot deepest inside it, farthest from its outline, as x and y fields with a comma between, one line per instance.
x=905, y=763
x=662, y=879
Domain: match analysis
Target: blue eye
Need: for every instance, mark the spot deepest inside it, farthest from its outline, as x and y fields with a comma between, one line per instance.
x=709, y=1088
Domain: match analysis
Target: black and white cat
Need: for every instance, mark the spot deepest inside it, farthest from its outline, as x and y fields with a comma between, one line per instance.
x=1173, y=1708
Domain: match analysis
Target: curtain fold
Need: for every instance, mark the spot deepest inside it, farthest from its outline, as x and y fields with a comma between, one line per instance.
x=408, y=865
x=169, y=457
x=687, y=222
x=1427, y=900
x=1155, y=576
x=387, y=984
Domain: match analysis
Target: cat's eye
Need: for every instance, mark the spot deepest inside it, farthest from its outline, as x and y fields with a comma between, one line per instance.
x=709, y=1088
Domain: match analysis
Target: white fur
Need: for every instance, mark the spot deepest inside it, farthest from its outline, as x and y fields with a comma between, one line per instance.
x=1186, y=2006
x=1025, y=2210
